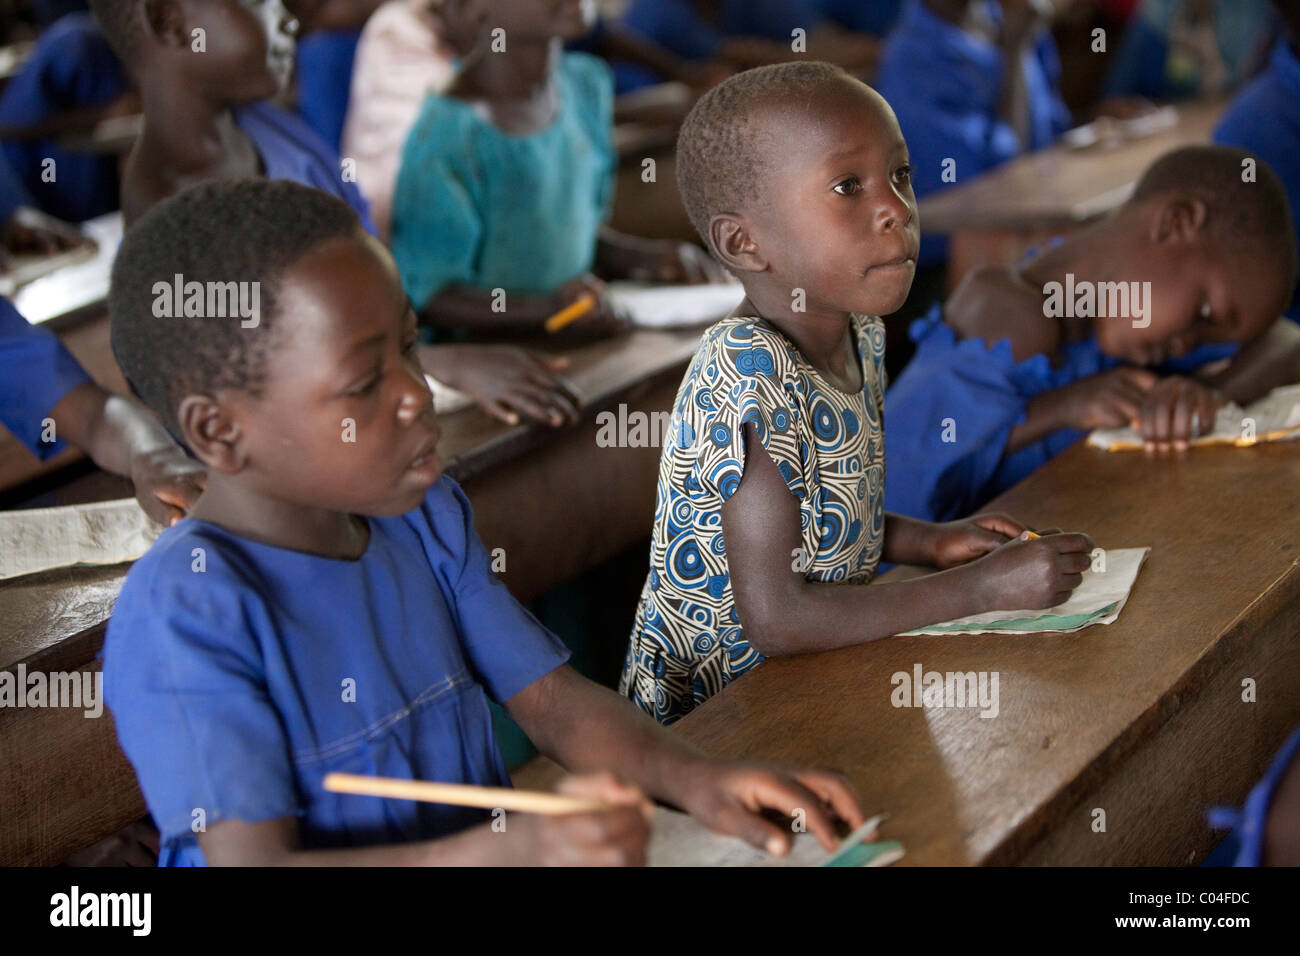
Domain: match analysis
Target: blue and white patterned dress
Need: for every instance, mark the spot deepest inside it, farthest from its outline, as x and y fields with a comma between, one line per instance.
x=687, y=641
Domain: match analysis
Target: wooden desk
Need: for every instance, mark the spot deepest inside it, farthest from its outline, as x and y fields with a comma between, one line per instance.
x=993, y=218
x=1142, y=718
x=556, y=502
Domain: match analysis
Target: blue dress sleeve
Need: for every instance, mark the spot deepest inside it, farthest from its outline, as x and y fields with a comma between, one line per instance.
x=673, y=25
x=36, y=371
x=12, y=192
x=749, y=377
x=185, y=680
x=948, y=417
x=437, y=219
x=507, y=646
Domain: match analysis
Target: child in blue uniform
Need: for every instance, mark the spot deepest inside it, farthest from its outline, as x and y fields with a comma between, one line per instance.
x=507, y=179
x=207, y=116
x=770, y=518
x=71, y=69
x=1264, y=117
x=48, y=400
x=328, y=606
x=1004, y=379
x=957, y=107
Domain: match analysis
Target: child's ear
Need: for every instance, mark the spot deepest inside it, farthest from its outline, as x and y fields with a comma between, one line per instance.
x=1179, y=219
x=732, y=243
x=212, y=433
x=166, y=22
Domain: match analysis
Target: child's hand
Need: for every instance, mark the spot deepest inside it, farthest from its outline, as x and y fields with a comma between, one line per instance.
x=1036, y=573
x=167, y=483
x=729, y=797
x=1176, y=409
x=603, y=321
x=957, y=542
x=1111, y=399
x=680, y=262
x=508, y=382
x=614, y=837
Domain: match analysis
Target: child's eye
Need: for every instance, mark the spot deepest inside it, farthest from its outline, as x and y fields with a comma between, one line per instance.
x=848, y=187
x=366, y=387
x=903, y=174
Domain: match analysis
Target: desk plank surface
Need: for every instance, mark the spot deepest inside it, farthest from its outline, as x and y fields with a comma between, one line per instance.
x=1142, y=718
x=1059, y=187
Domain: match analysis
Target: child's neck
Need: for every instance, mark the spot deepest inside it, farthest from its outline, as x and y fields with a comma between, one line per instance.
x=188, y=137
x=231, y=505
x=823, y=335
x=516, y=87
x=1086, y=255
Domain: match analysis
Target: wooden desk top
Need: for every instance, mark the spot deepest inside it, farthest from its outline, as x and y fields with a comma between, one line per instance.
x=1060, y=187
x=1224, y=530
x=40, y=612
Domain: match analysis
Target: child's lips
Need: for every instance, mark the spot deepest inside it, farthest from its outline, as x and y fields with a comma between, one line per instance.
x=905, y=261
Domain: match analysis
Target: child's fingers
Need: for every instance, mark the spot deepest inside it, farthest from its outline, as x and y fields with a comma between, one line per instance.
x=603, y=786
x=1069, y=541
x=500, y=412
x=1076, y=561
x=735, y=820
x=1001, y=524
x=796, y=801
x=556, y=363
x=533, y=406
x=835, y=793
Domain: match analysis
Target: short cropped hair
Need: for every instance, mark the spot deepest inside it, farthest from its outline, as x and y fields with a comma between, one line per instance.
x=1246, y=203
x=720, y=162
x=220, y=232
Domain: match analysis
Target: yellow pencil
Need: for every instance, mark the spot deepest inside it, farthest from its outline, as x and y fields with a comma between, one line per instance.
x=1030, y=535
x=462, y=795
x=570, y=313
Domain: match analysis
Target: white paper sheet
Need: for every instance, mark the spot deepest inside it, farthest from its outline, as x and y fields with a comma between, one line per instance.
x=655, y=306
x=1097, y=600
x=1275, y=417
x=105, y=532
x=678, y=840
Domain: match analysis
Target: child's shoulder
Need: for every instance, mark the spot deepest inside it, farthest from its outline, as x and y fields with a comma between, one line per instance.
x=992, y=304
x=590, y=73
x=750, y=346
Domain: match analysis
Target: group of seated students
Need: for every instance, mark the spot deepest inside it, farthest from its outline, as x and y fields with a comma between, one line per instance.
x=477, y=168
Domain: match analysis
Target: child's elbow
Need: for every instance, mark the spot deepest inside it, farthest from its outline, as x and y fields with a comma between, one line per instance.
x=770, y=622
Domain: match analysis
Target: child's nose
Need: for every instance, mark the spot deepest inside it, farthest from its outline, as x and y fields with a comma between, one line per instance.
x=416, y=397
x=893, y=213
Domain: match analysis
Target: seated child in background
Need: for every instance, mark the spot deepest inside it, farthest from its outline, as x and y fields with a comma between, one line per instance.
x=71, y=81
x=1183, y=49
x=770, y=493
x=40, y=380
x=1264, y=118
x=401, y=57
x=1011, y=370
x=229, y=676
x=329, y=31
x=207, y=116
x=989, y=90
x=506, y=181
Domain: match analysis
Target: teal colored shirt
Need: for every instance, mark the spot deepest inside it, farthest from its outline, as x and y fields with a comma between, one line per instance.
x=488, y=209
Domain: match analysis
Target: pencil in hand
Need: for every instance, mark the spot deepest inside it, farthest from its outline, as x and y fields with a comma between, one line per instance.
x=570, y=313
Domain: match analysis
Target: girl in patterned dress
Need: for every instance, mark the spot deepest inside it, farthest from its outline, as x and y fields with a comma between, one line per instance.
x=797, y=178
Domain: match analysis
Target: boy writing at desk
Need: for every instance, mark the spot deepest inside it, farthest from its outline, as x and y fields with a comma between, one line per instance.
x=1112, y=326
x=797, y=177
x=313, y=564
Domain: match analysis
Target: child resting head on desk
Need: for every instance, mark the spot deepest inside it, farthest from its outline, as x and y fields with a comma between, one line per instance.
x=1115, y=325
x=771, y=488
x=507, y=179
x=207, y=116
x=315, y=565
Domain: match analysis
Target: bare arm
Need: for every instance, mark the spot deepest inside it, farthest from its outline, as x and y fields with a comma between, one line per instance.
x=1271, y=360
x=783, y=613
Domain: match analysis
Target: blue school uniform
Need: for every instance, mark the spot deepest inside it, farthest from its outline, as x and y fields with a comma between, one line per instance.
x=235, y=688
x=36, y=371
x=1265, y=119
x=290, y=149
x=323, y=71
x=12, y=192
x=488, y=209
x=674, y=25
x=71, y=68
x=1144, y=65
x=949, y=109
x=951, y=411
x=876, y=17
x=1244, y=846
